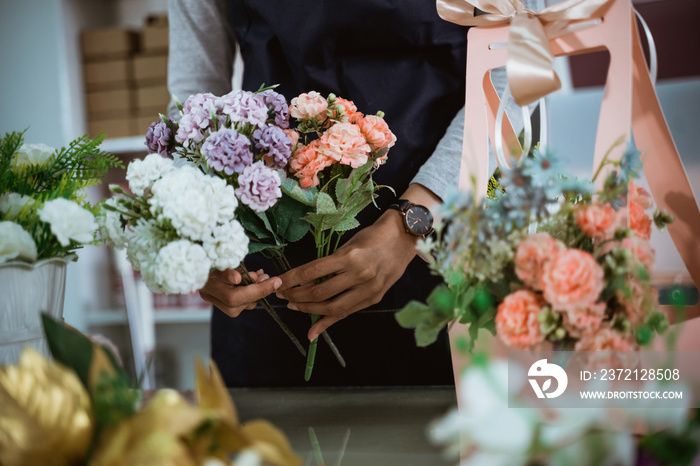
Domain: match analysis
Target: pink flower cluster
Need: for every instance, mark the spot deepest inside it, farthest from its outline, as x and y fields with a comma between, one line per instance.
x=345, y=136
x=565, y=285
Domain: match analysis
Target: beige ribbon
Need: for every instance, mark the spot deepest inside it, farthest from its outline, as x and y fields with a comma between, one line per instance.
x=530, y=62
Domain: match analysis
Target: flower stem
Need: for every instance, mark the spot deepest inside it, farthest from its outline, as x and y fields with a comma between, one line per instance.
x=266, y=304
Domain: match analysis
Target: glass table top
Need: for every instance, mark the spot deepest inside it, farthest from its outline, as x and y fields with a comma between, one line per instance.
x=353, y=426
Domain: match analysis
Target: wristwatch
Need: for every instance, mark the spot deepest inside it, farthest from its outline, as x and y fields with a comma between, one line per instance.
x=417, y=219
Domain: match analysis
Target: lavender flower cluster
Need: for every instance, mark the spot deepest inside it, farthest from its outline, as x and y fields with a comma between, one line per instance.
x=242, y=136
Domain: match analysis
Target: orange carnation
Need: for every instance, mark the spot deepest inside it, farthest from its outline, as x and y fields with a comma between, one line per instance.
x=344, y=142
x=532, y=253
x=572, y=280
x=377, y=132
x=596, y=220
x=516, y=319
x=307, y=162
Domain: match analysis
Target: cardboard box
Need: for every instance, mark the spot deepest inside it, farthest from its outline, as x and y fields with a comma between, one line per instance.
x=151, y=97
x=150, y=70
x=144, y=122
x=154, y=39
x=108, y=43
x=108, y=75
x=103, y=102
x=113, y=128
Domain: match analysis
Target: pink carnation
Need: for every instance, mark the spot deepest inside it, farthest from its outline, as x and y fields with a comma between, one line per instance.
x=307, y=162
x=641, y=250
x=516, y=319
x=639, y=196
x=532, y=253
x=584, y=321
x=293, y=135
x=377, y=132
x=345, y=143
x=311, y=106
x=572, y=280
x=639, y=221
x=350, y=113
x=619, y=351
x=596, y=220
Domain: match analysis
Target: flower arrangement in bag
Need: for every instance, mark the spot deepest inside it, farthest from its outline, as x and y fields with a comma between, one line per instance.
x=581, y=278
x=295, y=168
x=44, y=212
x=80, y=408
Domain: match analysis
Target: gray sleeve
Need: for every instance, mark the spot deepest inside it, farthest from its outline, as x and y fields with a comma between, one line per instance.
x=202, y=49
x=440, y=173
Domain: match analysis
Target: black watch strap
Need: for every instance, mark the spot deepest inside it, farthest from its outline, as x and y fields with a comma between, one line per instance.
x=401, y=205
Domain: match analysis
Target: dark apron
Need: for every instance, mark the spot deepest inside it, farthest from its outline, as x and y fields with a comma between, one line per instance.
x=397, y=56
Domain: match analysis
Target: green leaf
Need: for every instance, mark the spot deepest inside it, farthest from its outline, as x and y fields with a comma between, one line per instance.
x=255, y=246
x=307, y=196
x=412, y=315
x=69, y=347
x=325, y=204
x=426, y=322
x=75, y=350
x=347, y=224
x=252, y=224
x=287, y=219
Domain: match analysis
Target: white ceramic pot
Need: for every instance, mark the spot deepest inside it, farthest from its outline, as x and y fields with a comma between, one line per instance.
x=27, y=290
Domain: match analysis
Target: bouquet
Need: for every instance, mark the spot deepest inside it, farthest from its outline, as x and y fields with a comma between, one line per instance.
x=177, y=225
x=314, y=175
x=546, y=259
x=44, y=212
x=80, y=409
x=495, y=426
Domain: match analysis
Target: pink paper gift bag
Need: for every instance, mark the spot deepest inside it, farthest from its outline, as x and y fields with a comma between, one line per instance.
x=630, y=106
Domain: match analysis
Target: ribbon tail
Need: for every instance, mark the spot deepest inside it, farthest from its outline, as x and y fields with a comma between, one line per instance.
x=530, y=62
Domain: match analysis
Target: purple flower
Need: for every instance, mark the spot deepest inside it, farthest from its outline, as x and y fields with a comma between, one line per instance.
x=243, y=107
x=196, y=117
x=227, y=150
x=274, y=141
x=278, y=104
x=205, y=100
x=259, y=187
x=159, y=139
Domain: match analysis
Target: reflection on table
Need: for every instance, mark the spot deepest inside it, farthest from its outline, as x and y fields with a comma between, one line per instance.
x=353, y=426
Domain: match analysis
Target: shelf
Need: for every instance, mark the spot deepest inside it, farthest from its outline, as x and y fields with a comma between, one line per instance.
x=110, y=317
x=130, y=145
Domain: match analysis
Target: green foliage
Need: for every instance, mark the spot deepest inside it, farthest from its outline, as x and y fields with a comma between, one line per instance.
x=113, y=395
x=66, y=174
x=674, y=447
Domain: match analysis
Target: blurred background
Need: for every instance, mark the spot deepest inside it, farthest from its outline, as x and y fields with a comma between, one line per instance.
x=75, y=67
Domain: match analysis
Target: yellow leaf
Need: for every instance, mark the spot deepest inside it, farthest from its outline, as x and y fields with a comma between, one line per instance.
x=270, y=443
x=46, y=416
x=212, y=392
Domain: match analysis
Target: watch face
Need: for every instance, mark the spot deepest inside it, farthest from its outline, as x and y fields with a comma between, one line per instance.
x=419, y=220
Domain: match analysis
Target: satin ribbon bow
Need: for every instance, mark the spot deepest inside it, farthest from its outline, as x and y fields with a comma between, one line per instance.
x=530, y=62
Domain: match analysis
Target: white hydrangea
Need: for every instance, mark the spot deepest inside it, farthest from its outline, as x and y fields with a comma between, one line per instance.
x=110, y=226
x=16, y=243
x=33, y=154
x=223, y=195
x=68, y=221
x=141, y=174
x=143, y=244
x=183, y=197
x=182, y=267
x=14, y=203
x=228, y=245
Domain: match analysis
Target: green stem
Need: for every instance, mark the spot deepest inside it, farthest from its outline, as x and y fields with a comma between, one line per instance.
x=316, y=447
x=266, y=304
x=311, y=355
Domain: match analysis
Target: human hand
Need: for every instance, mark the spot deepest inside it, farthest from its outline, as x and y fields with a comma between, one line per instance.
x=224, y=290
x=358, y=274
